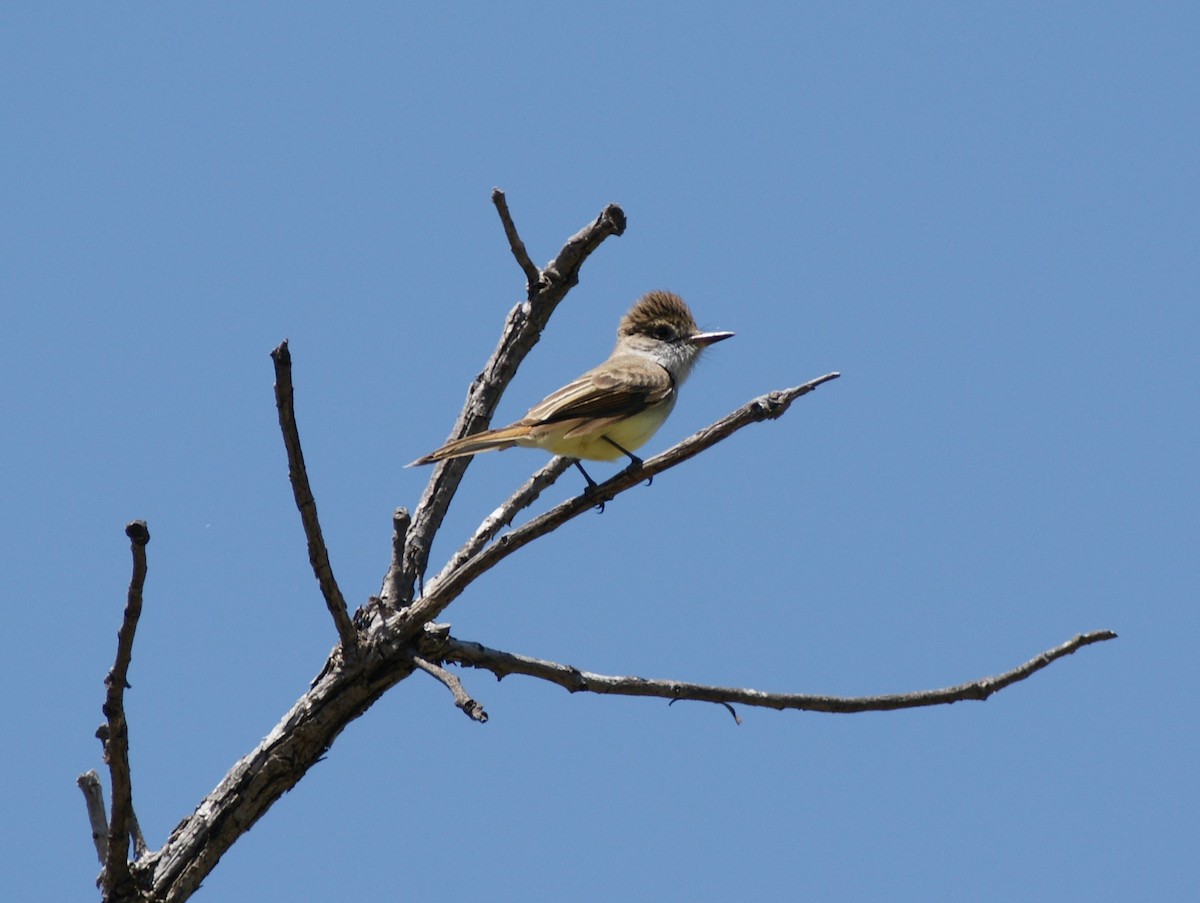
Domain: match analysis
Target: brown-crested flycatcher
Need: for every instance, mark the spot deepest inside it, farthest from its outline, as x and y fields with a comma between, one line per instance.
x=616, y=407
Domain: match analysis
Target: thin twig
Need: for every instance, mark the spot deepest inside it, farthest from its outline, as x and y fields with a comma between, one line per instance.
x=522, y=329
x=318, y=554
x=93, y=796
x=504, y=663
x=462, y=699
x=564, y=268
x=114, y=733
x=525, y=496
x=533, y=275
x=444, y=590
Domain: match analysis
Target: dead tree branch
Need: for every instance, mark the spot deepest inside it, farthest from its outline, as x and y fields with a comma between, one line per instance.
x=93, y=796
x=462, y=699
x=503, y=516
x=522, y=329
x=114, y=733
x=390, y=593
x=502, y=664
x=445, y=589
x=532, y=274
x=391, y=641
x=348, y=685
x=344, y=691
x=346, y=688
x=318, y=554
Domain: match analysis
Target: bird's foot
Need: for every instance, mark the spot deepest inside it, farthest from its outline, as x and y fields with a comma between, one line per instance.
x=592, y=487
x=635, y=463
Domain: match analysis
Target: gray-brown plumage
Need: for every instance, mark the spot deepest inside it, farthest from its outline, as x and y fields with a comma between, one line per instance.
x=616, y=407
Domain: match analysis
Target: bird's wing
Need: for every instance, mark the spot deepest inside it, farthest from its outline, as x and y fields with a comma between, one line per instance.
x=621, y=387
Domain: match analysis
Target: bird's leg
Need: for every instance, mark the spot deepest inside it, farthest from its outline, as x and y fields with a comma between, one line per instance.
x=591, y=484
x=635, y=463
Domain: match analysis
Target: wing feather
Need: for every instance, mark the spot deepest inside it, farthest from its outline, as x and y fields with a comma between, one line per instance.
x=621, y=387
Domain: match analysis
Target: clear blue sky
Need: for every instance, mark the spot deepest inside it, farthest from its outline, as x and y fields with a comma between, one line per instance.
x=984, y=216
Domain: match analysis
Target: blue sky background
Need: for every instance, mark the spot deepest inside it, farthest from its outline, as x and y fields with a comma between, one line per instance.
x=984, y=216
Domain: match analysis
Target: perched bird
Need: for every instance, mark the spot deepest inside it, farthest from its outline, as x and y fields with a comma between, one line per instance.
x=613, y=408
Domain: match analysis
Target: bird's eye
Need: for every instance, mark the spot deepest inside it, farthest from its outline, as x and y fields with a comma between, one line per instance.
x=664, y=332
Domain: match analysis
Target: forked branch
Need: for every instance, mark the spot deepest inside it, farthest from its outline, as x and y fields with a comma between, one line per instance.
x=384, y=641
x=522, y=329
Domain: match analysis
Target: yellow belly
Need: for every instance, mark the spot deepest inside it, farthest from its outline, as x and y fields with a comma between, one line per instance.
x=576, y=441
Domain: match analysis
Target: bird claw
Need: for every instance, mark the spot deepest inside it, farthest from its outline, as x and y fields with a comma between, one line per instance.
x=635, y=465
x=591, y=491
x=592, y=486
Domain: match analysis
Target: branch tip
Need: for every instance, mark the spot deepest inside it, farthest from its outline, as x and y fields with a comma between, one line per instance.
x=138, y=532
x=533, y=276
x=93, y=797
x=393, y=582
x=462, y=699
x=614, y=218
x=318, y=554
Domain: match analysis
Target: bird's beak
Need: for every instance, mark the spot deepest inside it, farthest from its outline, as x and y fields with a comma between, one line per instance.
x=704, y=339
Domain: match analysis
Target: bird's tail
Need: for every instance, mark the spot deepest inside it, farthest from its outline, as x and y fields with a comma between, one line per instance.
x=488, y=440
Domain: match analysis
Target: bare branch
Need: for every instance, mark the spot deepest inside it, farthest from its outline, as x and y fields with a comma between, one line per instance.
x=522, y=329
x=390, y=593
x=318, y=555
x=462, y=699
x=114, y=733
x=533, y=275
x=445, y=589
x=564, y=268
x=503, y=516
x=504, y=663
x=390, y=645
x=93, y=796
x=302, y=737
x=347, y=686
